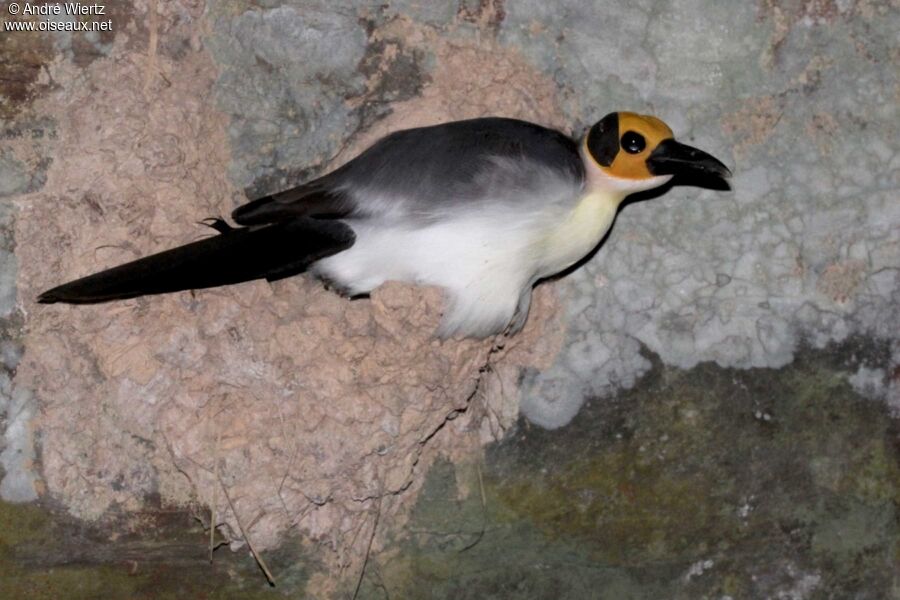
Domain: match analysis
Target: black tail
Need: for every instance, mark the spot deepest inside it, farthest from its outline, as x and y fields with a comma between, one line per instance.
x=238, y=254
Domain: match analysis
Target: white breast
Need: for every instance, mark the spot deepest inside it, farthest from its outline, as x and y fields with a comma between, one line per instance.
x=578, y=232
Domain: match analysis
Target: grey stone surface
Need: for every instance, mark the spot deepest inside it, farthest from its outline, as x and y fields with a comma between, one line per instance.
x=423, y=11
x=801, y=99
x=14, y=177
x=18, y=455
x=17, y=406
x=285, y=73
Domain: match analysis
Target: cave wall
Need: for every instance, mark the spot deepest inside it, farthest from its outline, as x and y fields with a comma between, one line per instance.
x=279, y=410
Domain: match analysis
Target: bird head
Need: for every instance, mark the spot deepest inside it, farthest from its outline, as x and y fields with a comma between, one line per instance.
x=630, y=152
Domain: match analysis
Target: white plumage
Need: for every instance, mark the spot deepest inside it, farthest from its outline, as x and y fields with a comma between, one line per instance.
x=487, y=256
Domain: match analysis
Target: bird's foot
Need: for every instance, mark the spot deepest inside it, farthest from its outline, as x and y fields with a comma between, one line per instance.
x=217, y=223
x=520, y=316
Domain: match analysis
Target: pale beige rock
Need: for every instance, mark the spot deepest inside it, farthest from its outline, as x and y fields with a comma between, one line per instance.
x=320, y=411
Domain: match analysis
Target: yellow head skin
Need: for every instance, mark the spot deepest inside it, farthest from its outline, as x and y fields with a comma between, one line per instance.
x=622, y=154
x=640, y=151
x=620, y=143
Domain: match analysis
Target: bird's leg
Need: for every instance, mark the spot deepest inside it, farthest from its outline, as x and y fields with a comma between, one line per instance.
x=521, y=314
x=217, y=223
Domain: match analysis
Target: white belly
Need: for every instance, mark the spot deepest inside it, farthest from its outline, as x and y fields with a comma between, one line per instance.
x=483, y=270
x=485, y=261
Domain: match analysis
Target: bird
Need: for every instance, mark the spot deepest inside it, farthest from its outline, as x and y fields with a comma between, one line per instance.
x=484, y=208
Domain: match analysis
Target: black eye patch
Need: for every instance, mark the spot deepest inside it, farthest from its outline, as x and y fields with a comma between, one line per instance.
x=633, y=143
x=603, y=139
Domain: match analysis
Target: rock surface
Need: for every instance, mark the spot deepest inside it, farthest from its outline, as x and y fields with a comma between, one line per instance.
x=289, y=416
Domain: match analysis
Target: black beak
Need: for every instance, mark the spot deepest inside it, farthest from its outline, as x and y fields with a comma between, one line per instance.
x=674, y=158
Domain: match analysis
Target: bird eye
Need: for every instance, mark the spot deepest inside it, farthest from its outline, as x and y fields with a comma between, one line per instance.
x=633, y=143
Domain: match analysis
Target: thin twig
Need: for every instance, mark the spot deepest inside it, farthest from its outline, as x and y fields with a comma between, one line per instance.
x=359, y=530
x=483, y=510
x=256, y=555
x=215, y=498
x=362, y=572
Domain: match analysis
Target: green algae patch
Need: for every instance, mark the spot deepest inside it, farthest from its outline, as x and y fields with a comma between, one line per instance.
x=22, y=522
x=455, y=547
x=74, y=583
x=46, y=555
x=702, y=483
x=626, y=513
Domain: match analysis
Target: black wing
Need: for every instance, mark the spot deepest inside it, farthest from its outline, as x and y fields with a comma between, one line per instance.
x=237, y=254
x=420, y=170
